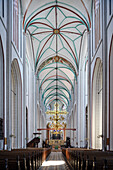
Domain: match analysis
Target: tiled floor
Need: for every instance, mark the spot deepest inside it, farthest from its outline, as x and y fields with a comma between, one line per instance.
x=55, y=161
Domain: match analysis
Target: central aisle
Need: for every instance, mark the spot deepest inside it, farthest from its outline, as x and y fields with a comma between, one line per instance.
x=55, y=161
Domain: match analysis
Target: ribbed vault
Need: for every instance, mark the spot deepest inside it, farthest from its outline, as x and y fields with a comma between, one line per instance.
x=56, y=29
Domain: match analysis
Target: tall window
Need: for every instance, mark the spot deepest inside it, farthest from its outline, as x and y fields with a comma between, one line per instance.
x=2, y=8
x=97, y=21
x=15, y=23
x=109, y=7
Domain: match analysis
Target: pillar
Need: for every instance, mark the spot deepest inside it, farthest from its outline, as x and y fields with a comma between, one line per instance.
x=89, y=89
x=104, y=90
x=7, y=117
x=24, y=95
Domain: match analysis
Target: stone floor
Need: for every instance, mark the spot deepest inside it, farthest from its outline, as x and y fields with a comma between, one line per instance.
x=55, y=161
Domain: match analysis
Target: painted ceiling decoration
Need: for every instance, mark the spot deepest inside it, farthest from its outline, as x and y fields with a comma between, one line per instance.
x=56, y=29
x=50, y=61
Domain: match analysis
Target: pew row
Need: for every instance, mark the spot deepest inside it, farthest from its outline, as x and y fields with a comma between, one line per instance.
x=23, y=159
x=88, y=159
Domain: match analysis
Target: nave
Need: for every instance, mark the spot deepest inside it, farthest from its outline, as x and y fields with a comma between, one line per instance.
x=56, y=84
x=55, y=161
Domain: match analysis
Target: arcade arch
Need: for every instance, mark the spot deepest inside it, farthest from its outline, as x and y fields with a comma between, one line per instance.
x=97, y=106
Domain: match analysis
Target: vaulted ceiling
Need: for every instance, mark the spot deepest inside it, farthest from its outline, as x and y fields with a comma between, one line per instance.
x=56, y=29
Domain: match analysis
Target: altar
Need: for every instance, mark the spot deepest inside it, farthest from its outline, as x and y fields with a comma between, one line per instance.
x=56, y=142
x=56, y=145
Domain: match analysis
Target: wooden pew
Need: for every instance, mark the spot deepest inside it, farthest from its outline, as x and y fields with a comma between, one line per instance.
x=88, y=159
x=23, y=159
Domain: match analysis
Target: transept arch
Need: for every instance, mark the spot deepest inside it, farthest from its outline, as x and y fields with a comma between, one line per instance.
x=97, y=105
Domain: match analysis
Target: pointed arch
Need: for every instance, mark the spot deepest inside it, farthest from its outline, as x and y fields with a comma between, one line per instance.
x=97, y=105
x=16, y=100
x=2, y=93
x=111, y=94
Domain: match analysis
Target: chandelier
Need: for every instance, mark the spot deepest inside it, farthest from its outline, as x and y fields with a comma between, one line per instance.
x=56, y=118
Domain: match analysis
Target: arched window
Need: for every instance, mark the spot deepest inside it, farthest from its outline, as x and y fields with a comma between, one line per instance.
x=97, y=105
x=16, y=23
x=97, y=21
x=16, y=97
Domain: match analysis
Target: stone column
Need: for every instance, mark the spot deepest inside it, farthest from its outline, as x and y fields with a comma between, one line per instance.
x=104, y=90
x=8, y=116
x=89, y=89
x=24, y=95
x=77, y=114
x=38, y=102
x=35, y=103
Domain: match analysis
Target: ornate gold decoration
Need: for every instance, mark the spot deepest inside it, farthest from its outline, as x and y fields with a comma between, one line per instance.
x=5, y=141
x=56, y=58
x=56, y=142
x=56, y=118
x=57, y=125
x=56, y=111
x=56, y=132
